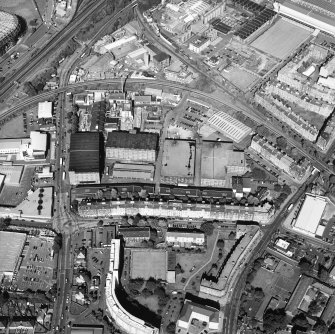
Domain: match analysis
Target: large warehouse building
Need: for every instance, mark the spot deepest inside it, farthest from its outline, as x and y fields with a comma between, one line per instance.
x=319, y=14
x=85, y=157
x=136, y=147
x=309, y=217
x=9, y=30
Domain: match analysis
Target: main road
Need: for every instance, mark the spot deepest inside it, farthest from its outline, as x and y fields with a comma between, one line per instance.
x=232, y=309
x=62, y=37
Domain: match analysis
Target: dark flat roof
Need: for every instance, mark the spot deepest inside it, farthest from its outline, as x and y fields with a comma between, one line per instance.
x=135, y=141
x=85, y=152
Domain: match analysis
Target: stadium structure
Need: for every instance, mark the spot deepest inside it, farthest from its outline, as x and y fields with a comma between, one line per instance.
x=9, y=30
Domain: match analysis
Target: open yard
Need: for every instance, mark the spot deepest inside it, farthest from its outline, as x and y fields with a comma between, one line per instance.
x=148, y=263
x=281, y=39
x=277, y=286
x=240, y=77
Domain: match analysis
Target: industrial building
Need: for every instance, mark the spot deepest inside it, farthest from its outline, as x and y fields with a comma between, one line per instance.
x=13, y=173
x=229, y=126
x=44, y=109
x=11, y=247
x=34, y=147
x=199, y=44
x=135, y=147
x=218, y=159
x=9, y=30
x=193, y=314
x=133, y=171
x=123, y=319
x=310, y=215
x=85, y=157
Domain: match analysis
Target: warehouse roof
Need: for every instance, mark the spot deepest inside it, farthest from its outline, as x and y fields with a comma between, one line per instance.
x=11, y=245
x=135, y=141
x=85, y=152
x=310, y=214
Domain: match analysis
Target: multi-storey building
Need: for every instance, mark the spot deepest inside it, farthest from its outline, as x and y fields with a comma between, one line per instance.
x=125, y=320
x=281, y=160
x=278, y=109
x=171, y=209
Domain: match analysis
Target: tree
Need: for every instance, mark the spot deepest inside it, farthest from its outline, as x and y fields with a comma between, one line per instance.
x=207, y=228
x=29, y=89
x=171, y=328
x=259, y=294
x=274, y=320
x=322, y=273
x=277, y=188
x=320, y=327
x=220, y=243
x=179, y=269
x=305, y=265
x=258, y=174
x=314, y=307
x=232, y=235
x=300, y=320
x=57, y=245
x=281, y=142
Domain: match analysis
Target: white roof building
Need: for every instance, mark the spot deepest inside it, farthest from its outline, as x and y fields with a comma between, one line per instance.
x=229, y=126
x=310, y=214
x=38, y=141
x=45, y=109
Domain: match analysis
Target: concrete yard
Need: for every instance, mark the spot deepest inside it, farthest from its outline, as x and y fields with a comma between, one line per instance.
x=275, y=41
x=146, y=264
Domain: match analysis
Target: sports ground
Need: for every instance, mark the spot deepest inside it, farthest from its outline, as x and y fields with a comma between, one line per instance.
x=281, y=39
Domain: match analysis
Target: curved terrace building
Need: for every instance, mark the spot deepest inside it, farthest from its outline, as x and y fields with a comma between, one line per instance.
x=9, y=30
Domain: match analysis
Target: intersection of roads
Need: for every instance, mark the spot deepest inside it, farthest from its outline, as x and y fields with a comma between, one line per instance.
x=64, y=220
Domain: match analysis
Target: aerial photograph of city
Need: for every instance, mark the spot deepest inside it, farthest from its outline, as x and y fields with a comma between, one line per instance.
x=167, y=166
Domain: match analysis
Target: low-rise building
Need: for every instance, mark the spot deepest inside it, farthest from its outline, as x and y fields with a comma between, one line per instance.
x=187, y=239
x=44, y=109
x=134, y=234
x=229, y=126
x=196, y=318
x=310, y=214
